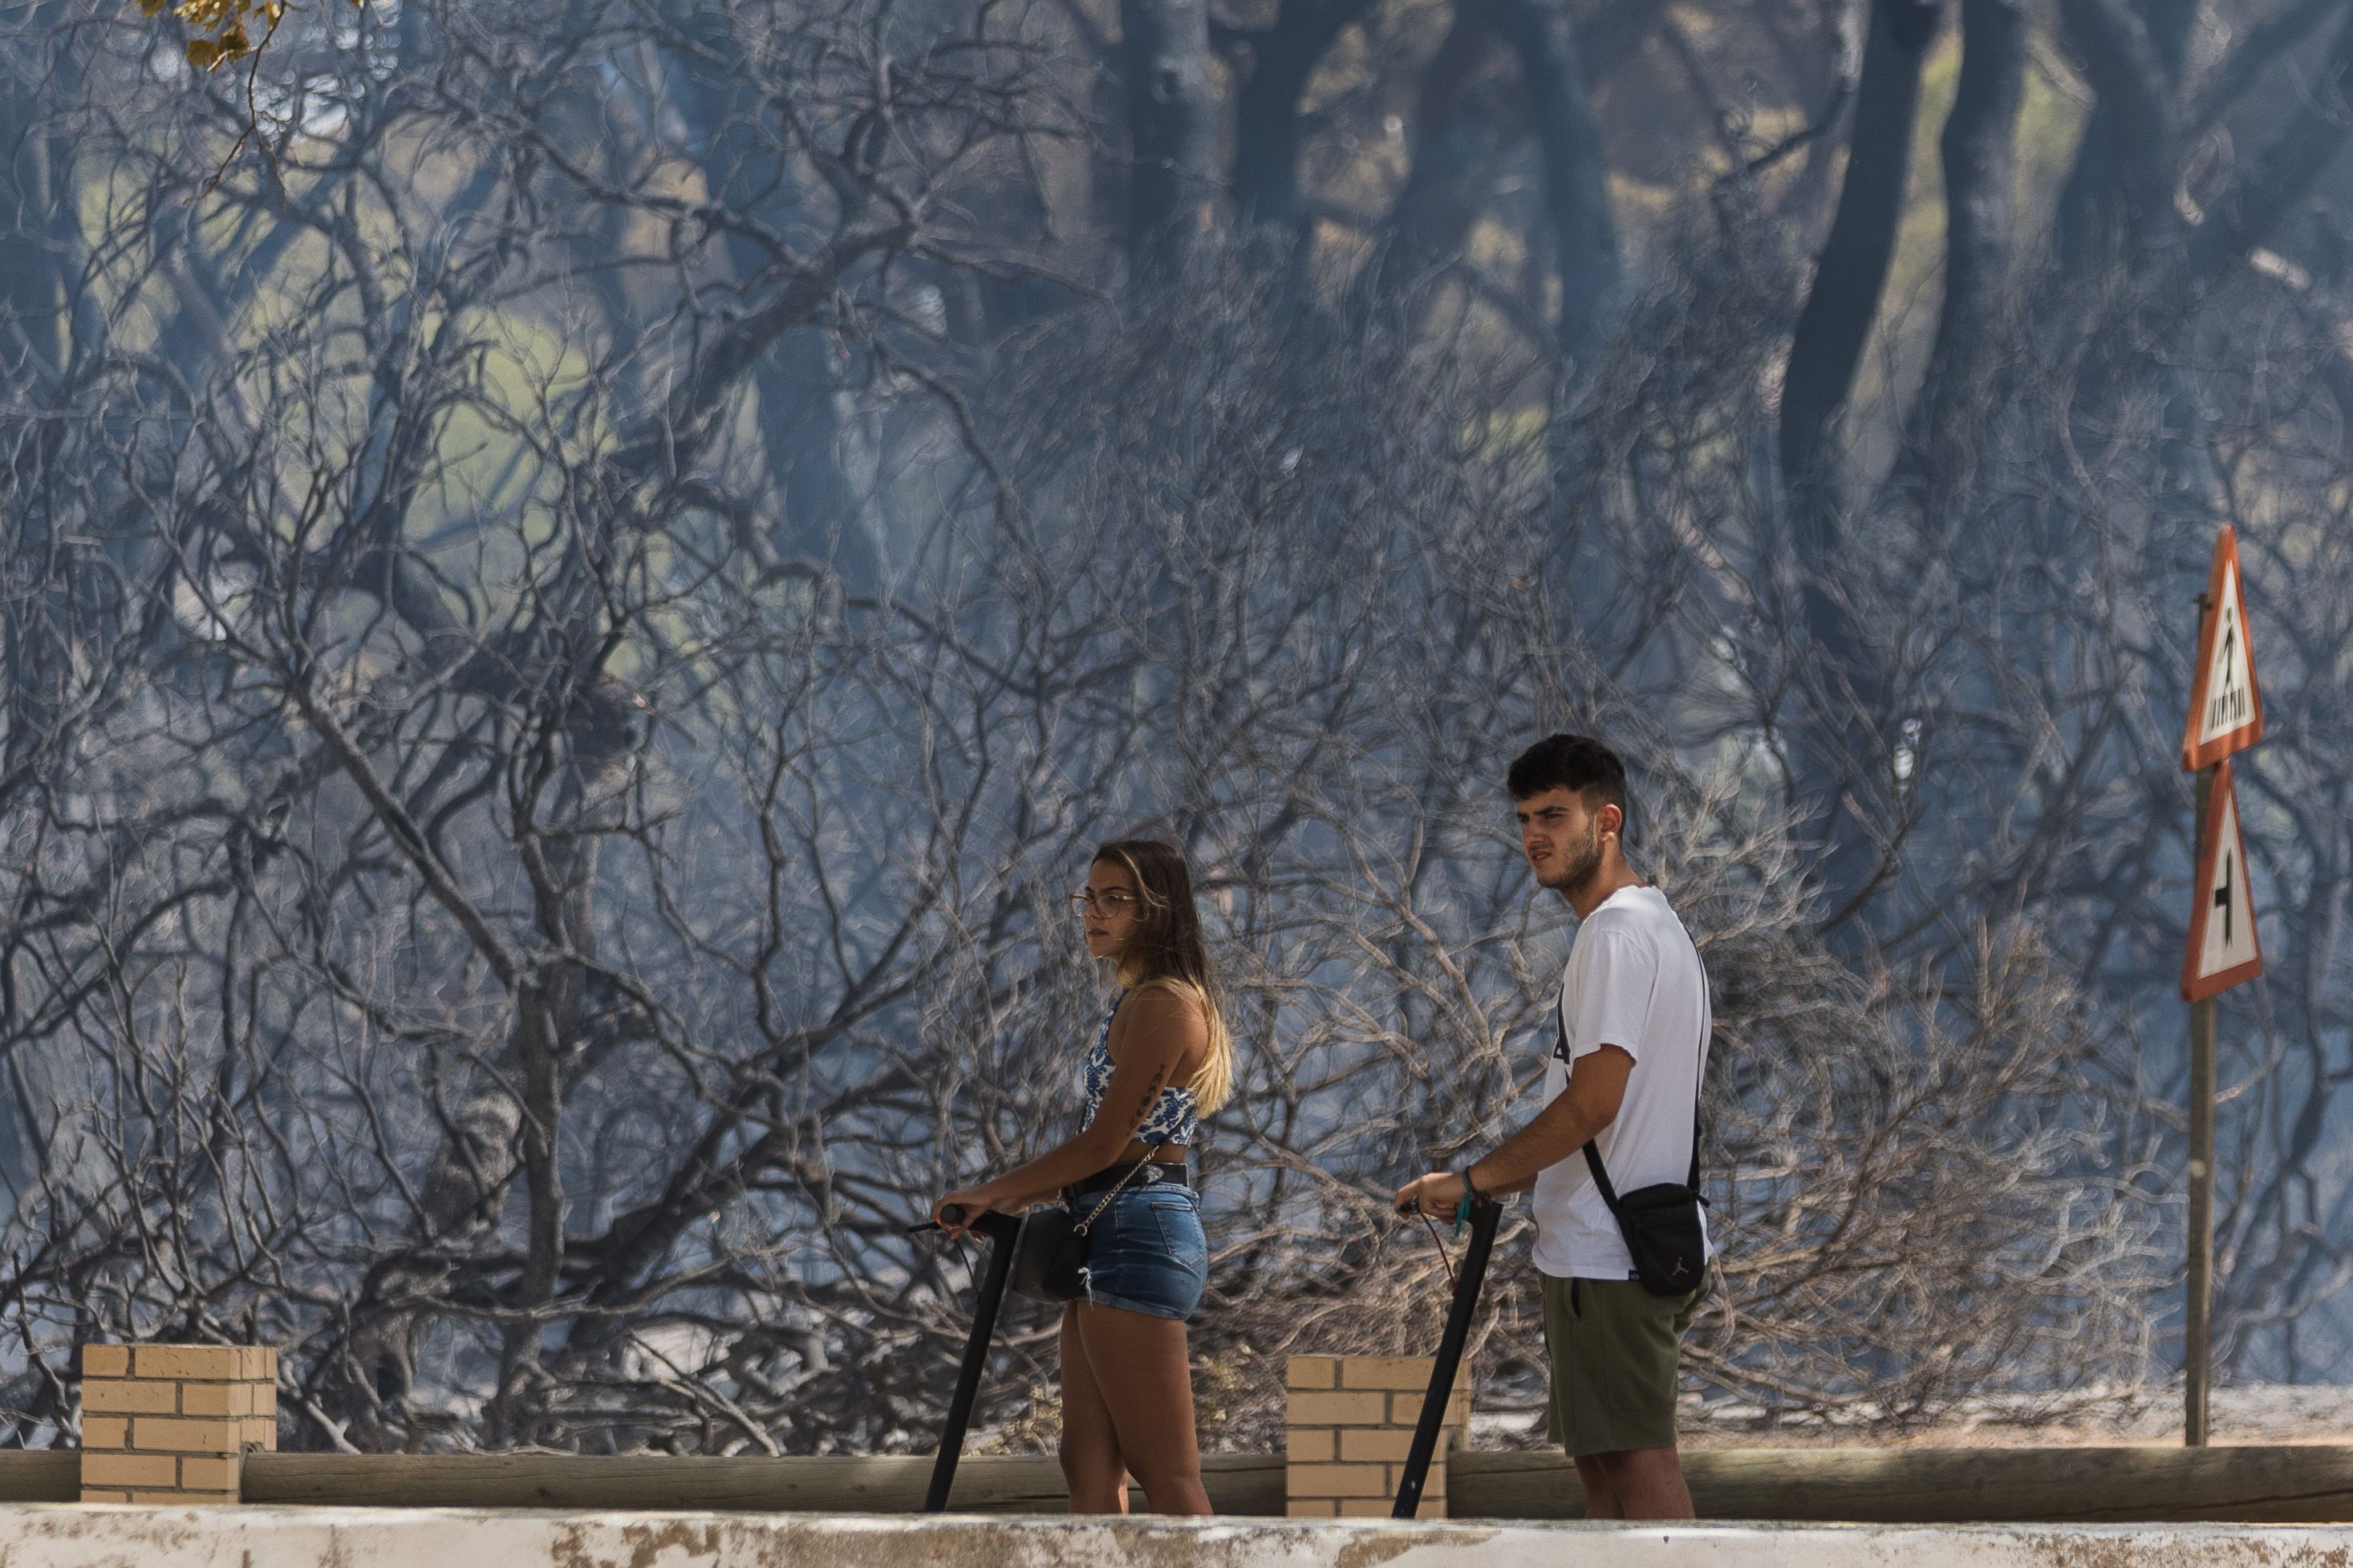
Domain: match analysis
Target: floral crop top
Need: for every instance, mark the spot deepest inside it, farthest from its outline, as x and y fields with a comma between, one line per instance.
x=1174, y=1117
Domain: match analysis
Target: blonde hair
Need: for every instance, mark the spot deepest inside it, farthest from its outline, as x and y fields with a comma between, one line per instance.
x=1169, y=955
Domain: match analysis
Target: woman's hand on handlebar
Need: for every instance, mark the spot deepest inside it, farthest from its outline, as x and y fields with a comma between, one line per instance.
x=968, y=1204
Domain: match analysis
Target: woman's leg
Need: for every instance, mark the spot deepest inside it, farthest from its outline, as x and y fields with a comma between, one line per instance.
x=1145, y=1383
x=1091, y=1464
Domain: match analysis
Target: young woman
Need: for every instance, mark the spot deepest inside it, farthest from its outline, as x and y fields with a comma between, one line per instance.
x=1162, y=1060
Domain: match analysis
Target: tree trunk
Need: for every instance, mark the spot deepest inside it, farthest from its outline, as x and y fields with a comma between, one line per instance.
x=2095, y=203
x=1979, y=151
x=513, y=1413
x=1453, y=149
x=820, y=463
x=1577, y=190
x=1172, y=132
x=1840, y=757
x=1266, y=112
x=807, y=436
x=1610, y=39
x=36, y=249
x=40, y=238
x=1853, y=268
x=46, y=314
x=2118, y=199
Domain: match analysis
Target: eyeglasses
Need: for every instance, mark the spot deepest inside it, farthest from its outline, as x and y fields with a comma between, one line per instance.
x=1116, y=902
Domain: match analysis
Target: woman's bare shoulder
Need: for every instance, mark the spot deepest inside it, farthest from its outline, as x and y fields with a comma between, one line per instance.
x=1158, y=1006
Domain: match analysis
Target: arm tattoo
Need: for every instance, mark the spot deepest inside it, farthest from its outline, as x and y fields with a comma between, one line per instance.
x=1151, y=1095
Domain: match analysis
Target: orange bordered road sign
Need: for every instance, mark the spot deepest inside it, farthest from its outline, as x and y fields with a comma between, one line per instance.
x=2226, y=707
x=2222, y=948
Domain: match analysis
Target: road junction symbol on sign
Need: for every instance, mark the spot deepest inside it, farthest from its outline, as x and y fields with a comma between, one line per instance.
x=2222, y=948
x=2226, y=707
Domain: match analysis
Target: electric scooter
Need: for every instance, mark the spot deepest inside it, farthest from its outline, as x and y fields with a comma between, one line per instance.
x=1002, y=1230
x=1484, y=1218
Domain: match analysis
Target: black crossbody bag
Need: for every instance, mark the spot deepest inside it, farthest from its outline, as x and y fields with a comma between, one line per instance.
x=1661, y=1224
x=1049, y=1260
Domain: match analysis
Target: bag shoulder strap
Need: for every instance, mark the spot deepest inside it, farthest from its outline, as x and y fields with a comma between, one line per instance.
x=1602, y=1180
x=1699, y=1067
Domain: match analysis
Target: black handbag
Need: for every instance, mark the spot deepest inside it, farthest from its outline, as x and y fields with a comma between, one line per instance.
x=1661, y=1224
x=1050, y=1256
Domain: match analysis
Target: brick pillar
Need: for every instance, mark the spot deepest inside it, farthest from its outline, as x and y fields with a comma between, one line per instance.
x=1351, y=1420
x=172, y=1422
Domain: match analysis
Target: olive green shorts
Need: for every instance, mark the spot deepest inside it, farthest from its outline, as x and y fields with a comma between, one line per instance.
x=1616, y=1355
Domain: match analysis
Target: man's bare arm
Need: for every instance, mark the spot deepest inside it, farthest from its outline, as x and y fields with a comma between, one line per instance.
x=1596, y=1089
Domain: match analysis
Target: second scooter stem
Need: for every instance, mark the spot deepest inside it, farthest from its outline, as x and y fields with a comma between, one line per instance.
x=1465, y=1305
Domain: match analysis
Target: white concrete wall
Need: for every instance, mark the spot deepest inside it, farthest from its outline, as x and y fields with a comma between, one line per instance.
x=63, y=1536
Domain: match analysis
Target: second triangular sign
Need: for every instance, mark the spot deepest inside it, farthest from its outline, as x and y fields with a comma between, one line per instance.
x=2222, y=948
x=2226, y=707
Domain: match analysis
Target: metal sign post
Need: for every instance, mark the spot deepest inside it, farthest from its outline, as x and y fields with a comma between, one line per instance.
x=2226, y=716
x=2196, y=1372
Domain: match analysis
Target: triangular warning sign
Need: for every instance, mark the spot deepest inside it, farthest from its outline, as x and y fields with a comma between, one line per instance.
x=2226, y=707
x=2222, y=947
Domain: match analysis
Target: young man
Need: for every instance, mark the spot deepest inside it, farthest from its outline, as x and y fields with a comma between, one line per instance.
x=1630, y=1045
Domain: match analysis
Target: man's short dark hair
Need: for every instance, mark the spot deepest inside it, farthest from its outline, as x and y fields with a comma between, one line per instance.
x=1569, y=762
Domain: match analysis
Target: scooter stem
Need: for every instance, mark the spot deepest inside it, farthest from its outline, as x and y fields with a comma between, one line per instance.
x=1002, y=1230
x=1483, y=1219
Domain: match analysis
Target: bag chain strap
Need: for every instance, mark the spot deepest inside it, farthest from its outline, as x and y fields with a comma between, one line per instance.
x=1080, y=1228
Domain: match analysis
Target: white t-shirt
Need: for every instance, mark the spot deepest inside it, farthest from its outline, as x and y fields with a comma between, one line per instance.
x=1634, y=981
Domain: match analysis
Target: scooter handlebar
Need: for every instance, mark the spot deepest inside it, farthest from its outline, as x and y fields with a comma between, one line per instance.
x=993, y=1225
x=1406, y=1211
x=953, y=1214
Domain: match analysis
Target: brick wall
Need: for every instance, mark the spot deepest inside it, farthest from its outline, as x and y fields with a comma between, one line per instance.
x=172, y=1422
x=1350, y=1422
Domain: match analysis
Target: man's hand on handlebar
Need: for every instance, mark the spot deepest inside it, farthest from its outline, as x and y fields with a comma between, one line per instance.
x=1438, y=1194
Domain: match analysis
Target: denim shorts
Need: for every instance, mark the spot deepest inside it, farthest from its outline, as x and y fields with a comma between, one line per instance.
x=1145, y=1252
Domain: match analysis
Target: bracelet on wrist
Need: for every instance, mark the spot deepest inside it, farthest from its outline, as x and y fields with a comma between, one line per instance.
x=1471, y=1188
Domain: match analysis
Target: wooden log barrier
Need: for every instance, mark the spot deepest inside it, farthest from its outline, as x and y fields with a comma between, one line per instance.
x=1237, y=1483
x=40, y=1475
x=2293, y=1484
x=2283, y=1484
